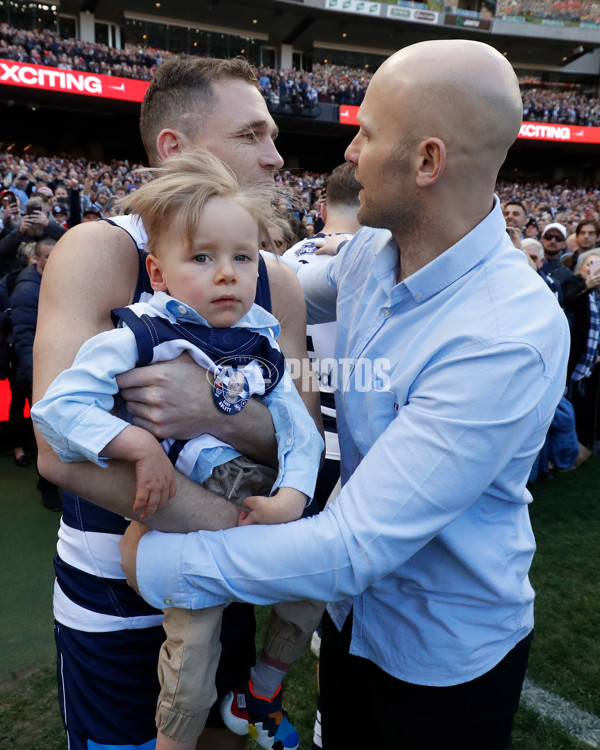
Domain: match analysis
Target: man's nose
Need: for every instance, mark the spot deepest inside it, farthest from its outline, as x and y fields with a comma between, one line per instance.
x=271, y=158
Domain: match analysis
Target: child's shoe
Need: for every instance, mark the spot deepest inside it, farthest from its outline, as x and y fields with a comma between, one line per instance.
x=264, y=720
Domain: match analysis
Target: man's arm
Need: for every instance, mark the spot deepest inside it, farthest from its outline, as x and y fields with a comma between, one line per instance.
x=452, y=450
x=287, y=300
x=93, y=269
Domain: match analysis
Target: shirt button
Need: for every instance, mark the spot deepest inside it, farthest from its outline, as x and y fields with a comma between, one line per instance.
x=181, y=309
x=385, y=311
x=418, y=296
x=168, y=601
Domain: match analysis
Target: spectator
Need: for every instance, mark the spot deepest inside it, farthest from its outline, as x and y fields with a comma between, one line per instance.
x=10, y=213
x=24, y=311
x=22, y=187
x=91, y=213
x=583, y=307
x=33, y=225
x=587, y=234
x=554, y=242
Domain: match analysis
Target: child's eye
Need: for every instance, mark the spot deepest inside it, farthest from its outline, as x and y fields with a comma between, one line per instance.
x=201, y=258
x=241, y=258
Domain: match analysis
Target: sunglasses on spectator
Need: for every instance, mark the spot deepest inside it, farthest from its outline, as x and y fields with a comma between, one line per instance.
x=557, y=237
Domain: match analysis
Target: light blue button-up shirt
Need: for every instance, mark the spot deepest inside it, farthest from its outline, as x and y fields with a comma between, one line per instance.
x=75, y=416
x=447, y=384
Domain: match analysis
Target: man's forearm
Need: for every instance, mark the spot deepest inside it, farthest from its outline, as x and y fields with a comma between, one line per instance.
x=251, y=432
x=113, y=488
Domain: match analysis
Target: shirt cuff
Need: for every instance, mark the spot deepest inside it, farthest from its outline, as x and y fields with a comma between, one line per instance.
x=160, y=574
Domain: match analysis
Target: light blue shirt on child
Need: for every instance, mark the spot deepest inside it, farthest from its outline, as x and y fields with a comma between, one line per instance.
x=75, y=415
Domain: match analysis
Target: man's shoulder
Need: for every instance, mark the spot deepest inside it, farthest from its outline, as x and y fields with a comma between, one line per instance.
x=279, y=272
x=95, y=256
x=285, y=289
x=363, y=246
x=101, y=241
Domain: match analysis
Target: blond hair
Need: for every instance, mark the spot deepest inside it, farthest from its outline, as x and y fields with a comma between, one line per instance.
x=183, y=186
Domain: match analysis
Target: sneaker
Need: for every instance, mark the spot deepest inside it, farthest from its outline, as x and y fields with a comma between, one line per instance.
x=265, y=721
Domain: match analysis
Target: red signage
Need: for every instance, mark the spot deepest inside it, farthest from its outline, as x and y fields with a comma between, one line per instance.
x=348, y=114
x=539, y=131
x=71, y=81
x=542, y=131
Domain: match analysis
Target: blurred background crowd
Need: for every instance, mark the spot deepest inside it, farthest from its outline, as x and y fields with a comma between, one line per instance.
x=542, y=102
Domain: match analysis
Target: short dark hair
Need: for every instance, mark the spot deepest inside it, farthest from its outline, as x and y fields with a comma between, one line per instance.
x=517, y=203
x=181, y=87
x=43, y=242
x=341, y=187
x=585, y=222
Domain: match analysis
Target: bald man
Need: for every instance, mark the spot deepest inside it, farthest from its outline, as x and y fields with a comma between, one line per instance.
x=446, y=387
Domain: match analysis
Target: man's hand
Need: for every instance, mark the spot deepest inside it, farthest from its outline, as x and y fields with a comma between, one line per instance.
x=129, y=546
x=593, y=279
x=26, y=224
x=169, y=399
x=40, y=218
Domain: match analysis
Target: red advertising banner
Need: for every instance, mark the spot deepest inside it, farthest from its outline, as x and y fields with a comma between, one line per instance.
x=538, y=131
x=39, y=77
x=348, y=114
x=541, y=131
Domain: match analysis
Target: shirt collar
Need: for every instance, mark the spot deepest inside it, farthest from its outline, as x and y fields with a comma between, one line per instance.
x=451, y=265
x=257, y=317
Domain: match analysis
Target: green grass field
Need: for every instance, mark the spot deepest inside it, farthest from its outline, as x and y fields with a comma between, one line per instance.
x=565, y=657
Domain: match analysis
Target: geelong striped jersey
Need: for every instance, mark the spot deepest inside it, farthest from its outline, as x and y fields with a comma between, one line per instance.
x=320, y=343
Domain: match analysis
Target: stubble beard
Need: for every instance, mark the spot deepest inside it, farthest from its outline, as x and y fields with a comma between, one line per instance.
x=400, y=219
x=402, y=216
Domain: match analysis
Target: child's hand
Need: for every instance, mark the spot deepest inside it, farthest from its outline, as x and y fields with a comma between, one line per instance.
x=286, y=505
x=155, y=482
x=154, y=473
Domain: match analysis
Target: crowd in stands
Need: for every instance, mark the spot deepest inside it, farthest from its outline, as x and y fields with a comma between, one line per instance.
x=564, y=107
x=48, y=48
x=333, y=84
x=558, y=227
x=296, y=89
x=568, y=11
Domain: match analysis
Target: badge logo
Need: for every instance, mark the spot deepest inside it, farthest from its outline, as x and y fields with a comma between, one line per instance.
x=231, y=390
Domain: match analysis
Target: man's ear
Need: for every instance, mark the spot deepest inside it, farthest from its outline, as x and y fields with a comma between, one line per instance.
x=155, y=274
x=432, y=161
x=169, y=142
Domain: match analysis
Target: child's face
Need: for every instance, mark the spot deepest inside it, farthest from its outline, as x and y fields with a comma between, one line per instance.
x=217, y=275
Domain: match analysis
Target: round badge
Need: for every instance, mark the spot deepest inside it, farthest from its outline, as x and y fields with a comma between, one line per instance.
x=230, y=390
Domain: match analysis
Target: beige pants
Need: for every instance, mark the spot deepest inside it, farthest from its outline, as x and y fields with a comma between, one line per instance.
x=189, y=656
